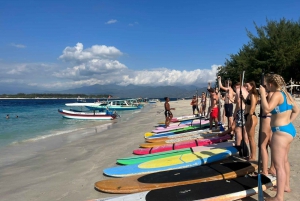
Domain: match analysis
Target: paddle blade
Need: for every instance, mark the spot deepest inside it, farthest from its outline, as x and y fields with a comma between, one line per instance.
x=260, y=190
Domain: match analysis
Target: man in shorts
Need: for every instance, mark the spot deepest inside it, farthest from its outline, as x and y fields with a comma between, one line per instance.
x=229, y=100
x=168, y=113
x=214, y=110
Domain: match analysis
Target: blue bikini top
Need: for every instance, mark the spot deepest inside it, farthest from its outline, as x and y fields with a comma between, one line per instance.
x=282, y=107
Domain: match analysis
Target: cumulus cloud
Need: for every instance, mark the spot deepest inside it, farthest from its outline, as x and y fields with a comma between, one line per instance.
x=98, y=65
x=18, y=45
x=112, y=21
x=79, y=55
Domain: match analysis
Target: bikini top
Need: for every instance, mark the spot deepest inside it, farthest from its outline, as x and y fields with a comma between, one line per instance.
x=282, y=107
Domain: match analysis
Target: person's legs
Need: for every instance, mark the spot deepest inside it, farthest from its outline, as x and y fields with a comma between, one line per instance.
x=265, y=137
x=250, y=129
x=279, y=147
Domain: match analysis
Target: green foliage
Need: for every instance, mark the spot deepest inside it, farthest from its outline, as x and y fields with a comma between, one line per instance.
x=274, y=48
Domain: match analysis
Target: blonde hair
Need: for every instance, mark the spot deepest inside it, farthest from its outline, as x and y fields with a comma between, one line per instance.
x=278, y=81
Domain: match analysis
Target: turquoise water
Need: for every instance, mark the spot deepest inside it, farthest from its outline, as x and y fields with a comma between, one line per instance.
x=37, y=119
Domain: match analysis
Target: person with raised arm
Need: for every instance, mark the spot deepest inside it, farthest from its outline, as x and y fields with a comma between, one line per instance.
x=229, y=100
x=284, y=111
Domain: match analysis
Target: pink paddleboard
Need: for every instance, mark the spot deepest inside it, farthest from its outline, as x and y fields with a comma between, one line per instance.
x=175, y=127
x=181, y=145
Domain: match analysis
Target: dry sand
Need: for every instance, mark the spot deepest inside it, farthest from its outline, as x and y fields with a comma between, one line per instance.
x=68, y=173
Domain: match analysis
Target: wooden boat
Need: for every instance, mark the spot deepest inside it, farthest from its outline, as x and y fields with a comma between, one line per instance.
x=108, y=115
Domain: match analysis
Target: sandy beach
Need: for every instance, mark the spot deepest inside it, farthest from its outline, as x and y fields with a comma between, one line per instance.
x=69, y=172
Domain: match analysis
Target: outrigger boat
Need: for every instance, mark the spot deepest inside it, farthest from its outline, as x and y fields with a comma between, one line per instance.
x=71, y=114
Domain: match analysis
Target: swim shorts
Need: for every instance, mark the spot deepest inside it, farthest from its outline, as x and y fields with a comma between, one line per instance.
x=228, y=109
x=214, y=113
x=238, y=118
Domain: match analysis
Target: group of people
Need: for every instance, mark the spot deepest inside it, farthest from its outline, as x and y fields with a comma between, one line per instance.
x=279, y=110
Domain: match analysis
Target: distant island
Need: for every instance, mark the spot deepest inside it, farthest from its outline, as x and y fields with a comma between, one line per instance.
x=54, y=95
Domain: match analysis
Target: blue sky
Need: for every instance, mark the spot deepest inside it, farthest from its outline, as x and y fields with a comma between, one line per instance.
x=56, y=45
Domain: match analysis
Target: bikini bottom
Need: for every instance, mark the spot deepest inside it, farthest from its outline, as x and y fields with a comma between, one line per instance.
x=290, y=129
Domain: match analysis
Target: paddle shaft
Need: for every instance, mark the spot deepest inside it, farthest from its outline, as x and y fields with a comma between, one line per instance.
x=242, y=118
x=260, y=190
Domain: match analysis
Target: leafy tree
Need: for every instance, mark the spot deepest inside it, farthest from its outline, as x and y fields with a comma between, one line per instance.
x=274, y=48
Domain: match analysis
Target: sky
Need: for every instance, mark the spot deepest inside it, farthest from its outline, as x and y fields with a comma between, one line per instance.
x=63, y=44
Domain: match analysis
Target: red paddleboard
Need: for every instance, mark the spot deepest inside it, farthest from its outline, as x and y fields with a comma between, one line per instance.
x=181, y=145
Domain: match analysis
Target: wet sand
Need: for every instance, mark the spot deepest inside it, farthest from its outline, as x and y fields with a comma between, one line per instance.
x=68, y=173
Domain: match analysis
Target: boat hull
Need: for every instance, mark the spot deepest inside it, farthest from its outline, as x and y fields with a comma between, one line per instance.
x=86, y=115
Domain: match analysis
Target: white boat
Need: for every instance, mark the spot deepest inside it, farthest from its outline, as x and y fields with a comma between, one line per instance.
x=108, y=115
x=128, y=104
x=154, y=101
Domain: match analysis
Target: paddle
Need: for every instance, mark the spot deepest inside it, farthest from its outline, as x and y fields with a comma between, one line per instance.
x=244, y=148
x=260, y=190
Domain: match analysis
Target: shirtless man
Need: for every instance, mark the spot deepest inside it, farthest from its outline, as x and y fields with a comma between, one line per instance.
x=229, y=100
x=239, y=115
x=213, y=110
x=168, y=113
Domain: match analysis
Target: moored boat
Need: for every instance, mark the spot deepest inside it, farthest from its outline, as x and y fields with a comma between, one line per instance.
x=108, y=115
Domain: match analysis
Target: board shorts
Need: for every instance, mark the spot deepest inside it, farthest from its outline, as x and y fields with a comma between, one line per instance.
x=214, y=112
x=168, y=113
x=195, y=107
x=239, y=118
x=228, y=109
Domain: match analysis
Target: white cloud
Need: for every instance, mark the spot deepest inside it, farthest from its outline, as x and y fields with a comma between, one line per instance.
x=78, y=54
x=98, y=65
x=132, y=24
x=18, y=45
x=111, y=21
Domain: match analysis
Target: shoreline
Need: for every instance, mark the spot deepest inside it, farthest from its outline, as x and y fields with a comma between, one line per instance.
x=70, y=171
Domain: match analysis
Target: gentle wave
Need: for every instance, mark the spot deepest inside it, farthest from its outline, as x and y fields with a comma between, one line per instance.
x=42, y=137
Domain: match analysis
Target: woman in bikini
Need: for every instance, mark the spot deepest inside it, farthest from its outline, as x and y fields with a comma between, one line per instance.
x=284, y=111
x=250, y=117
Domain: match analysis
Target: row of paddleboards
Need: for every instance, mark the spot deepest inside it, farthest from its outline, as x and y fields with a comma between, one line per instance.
x=182, y=165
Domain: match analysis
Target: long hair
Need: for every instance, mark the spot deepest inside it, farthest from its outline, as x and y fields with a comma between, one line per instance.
x=278, y=82
x=253, y=90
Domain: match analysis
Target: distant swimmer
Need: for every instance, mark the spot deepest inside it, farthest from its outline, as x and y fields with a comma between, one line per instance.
x=17, y=116
x=7, y=116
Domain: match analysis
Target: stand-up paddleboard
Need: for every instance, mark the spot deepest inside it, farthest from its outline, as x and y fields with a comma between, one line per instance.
x=188, y=134
x=148, y=157
x=176, y=146
x=163, y=129
x=172, y=135
x=224, y=190
x=183, y=138
x=187, y=141
x=187, y=122
x=134, y=184
x=172, y=162
x=181, y=130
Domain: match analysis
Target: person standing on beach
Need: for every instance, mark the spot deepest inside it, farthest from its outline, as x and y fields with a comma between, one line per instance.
x=214, y=110
x=284, y=111
x=266, y=135
x=168, y=113
x=239, y=115
x=250, y=116
x=229, y=100
x=203, y=104
x=194, y=104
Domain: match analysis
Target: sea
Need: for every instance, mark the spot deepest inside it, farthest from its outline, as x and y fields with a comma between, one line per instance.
x=35, y=125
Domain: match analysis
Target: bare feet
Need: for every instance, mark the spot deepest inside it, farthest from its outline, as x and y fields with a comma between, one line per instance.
x=285, y=190
x=272, y=172
x=272, y=199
